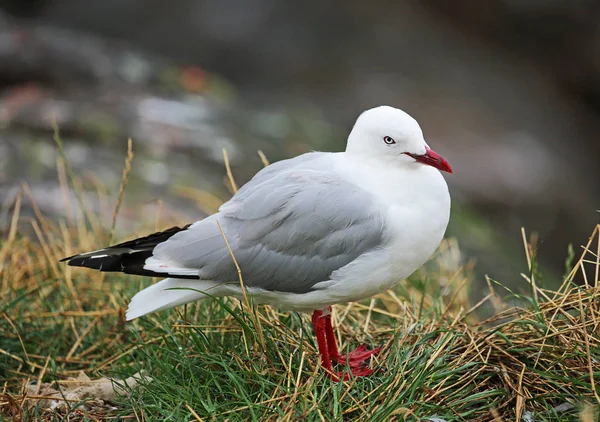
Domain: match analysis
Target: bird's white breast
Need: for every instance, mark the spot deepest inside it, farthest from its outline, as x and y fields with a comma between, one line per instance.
x=415, y=203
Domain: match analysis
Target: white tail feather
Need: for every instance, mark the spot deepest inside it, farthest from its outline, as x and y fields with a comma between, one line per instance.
x=157, y=297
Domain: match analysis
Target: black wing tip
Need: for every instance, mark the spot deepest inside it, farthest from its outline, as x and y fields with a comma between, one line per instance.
x=75, y=261
x=151, y=240
x=111, y=263
x=120, y=263
x=125, y=257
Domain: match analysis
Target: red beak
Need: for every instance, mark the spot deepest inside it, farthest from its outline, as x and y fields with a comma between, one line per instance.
x=433, y=159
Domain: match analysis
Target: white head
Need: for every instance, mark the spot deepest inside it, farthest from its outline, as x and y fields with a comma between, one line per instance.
x=388, y=132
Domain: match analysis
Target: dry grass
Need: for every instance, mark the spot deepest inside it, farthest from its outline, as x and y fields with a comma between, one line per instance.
x=218, y=360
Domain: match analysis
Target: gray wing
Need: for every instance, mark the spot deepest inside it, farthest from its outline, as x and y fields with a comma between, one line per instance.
x=289, y=228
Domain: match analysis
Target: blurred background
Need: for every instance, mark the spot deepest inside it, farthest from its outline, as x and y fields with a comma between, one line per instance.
x=507, y=90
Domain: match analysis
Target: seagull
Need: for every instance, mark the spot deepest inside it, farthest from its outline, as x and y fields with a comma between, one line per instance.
x=308, y=232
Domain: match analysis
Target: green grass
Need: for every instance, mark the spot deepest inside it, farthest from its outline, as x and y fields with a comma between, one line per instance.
x=222, y=360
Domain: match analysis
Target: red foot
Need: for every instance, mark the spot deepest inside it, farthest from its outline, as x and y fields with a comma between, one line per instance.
x=329, y=352
x=356, y=358
x=346, y=376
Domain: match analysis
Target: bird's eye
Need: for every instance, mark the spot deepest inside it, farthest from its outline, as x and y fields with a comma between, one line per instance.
x=389, y=140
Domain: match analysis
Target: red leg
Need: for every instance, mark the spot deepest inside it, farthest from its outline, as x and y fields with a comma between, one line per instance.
x=322, y=327
x=356, y=358
x=334, y=353
x=319, y=326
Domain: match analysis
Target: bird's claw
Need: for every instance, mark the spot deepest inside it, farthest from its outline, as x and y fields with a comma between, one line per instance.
x=357, y=358
x=346, y=376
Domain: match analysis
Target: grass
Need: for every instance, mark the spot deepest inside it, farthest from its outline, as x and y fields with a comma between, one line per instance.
x=224, y=360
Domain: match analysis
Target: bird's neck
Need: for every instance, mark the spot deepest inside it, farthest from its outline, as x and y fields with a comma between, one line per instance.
x=397, y=178
x=367, y=158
